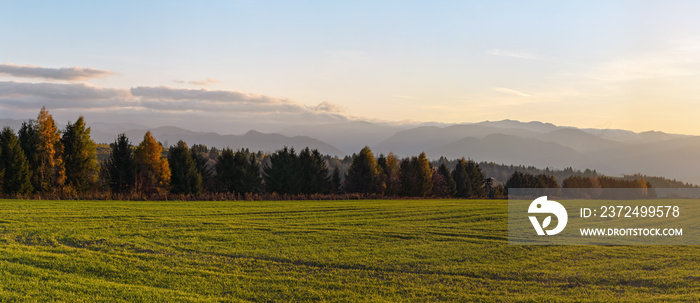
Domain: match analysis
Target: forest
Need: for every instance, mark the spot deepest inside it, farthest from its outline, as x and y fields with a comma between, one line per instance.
x=41, y=161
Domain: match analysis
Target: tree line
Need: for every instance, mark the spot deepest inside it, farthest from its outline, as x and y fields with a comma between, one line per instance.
x=41, y=159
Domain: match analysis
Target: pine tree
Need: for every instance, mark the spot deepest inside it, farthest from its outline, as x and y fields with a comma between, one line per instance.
x=283, y=175
x=120, y=166
x=408, y=178
x=200, y=155
x=14, y=169
x=476, y=179
x=461, y=178
x=51, y=170
x=314, y=173
x=184, y=179
x=152, y=170
x=80, y=156
x=29, y=142
x=364, y=175
x=449, y=187
x=336, y=181
x=238, y=172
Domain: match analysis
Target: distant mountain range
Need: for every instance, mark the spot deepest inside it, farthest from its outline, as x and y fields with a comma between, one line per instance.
x=609, y=151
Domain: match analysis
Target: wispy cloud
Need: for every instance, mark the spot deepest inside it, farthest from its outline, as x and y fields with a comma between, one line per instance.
x=510, y=91
x=510, y=53
x=166, y=101
x=327, y=107
x=207, y=81
x=64, y=73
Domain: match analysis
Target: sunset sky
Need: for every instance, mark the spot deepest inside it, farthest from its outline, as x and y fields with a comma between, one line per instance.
x=231, y=66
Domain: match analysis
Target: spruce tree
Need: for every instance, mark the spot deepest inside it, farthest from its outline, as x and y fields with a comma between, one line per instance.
x=184, y=179
x=29, y=142
x=14, y=169
x=476, y=179
x=364, y=175
x=120, y=166
x=461, y=178
x=449, y=186
x=283, y=174
x=80, y=156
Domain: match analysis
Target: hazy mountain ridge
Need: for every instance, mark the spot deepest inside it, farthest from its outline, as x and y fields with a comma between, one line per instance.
x=609, y=151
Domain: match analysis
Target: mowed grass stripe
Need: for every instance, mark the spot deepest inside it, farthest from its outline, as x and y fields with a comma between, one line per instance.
x=385, y=250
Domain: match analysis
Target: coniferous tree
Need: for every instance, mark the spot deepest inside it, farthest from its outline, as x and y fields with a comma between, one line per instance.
x=336, y=181
x=283, y=175
x=51, y=170
x=476, y=179
x=461, y=178
x=237, y=172
x=364, y=175
x=80, y=156
x=29, y=142
x=200, y=155
x=416, y=176
x=152, y=170
x=314, y=173
x=449, y=188
x=120, y=166
x=184, y=177
x=15, y=177
x=407, y=178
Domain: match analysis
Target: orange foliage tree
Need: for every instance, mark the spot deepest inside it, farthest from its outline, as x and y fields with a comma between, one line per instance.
x=152, y=170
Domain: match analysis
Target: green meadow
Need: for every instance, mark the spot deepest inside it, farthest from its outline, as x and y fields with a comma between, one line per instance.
x=282, y=251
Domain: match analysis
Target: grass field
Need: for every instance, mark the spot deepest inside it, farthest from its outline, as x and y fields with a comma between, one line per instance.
x=414, y=250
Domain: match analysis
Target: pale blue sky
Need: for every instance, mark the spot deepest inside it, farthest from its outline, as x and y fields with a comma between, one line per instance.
x=618, y=64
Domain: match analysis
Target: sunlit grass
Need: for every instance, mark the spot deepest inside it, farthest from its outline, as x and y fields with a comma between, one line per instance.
x=387, y=250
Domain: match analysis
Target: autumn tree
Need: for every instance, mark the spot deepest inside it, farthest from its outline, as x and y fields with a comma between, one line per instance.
x=364, y=175
x=416, y=176
x=80, y=156
x=14, y=169
x=120, y=166
x=390, y=174
x=50, y=170
x=237, y=172
x=184, y=179
x=152, y=170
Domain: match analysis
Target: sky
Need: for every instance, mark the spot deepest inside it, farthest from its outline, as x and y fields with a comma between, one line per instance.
x=232, y=66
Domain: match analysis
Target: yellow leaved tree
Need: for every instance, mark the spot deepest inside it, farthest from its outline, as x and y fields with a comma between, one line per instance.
x=152, y=170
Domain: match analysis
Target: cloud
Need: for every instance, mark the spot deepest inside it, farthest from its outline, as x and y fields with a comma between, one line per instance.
x=64, y=73
x=176, y=94
x=327, y=107
x=512, y=54
x=510, y=91
x=24, y=95
x=207, y=81
x=204, y=106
